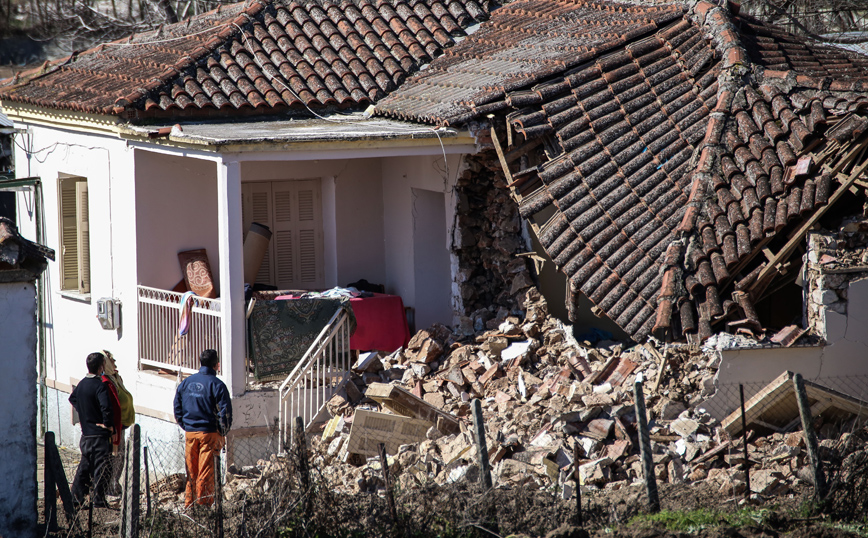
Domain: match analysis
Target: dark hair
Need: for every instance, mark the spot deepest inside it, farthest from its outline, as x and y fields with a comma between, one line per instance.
x=209, y=358
x=94, y=362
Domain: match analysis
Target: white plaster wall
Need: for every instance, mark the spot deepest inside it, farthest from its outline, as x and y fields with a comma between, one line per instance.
x=72, y=330
x=839, y=364
x=177, y=201
x=400, y=176
x=352, y=212
x=18, y=391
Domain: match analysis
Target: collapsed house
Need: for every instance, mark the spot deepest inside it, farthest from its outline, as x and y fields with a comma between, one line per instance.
x=668, y=160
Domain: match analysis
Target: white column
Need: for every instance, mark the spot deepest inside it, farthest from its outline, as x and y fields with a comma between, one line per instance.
x=231, y=274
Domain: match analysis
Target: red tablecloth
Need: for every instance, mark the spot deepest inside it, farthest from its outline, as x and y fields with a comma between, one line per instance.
x=380, y=323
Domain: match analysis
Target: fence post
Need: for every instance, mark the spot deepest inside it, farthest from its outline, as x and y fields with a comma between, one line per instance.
x=147, y=484
x=810, y=437
x=52, y=457
x=132, y=508
x=90, y=515
x=746, y=465
x=125, y=492
x=484, y=463
x=578, y=479
x=645, y=448
x=481, y=445
x=301, y=455
x=218, y=496
x=50, y=488
x=384, y=461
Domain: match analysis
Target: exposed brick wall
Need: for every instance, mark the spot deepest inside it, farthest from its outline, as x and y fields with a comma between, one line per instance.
x=491, y=279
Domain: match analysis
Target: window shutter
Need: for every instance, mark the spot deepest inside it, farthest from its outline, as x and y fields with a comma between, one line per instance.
x=83, y=236
x=68, y=235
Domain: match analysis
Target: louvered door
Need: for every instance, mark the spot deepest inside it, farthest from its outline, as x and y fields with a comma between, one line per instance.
x=298, y=234
x=293, y=212
x=256, y=207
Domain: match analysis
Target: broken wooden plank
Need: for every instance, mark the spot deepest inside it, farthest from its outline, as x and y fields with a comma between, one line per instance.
x=714, y=452
x=405, y=403
x=775, y=406
x=770, y=270
x=663, y=362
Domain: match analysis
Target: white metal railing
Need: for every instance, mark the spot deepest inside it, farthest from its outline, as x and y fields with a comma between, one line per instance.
x=159, y=343
x=322, y=371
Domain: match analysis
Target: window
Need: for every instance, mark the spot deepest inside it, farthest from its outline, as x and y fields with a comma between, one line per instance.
x=293, y=212
x=74, y=235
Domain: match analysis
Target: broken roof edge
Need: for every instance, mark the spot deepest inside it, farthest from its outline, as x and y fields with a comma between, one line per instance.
x=351, y=129
x=714, y=19
x=20, y=258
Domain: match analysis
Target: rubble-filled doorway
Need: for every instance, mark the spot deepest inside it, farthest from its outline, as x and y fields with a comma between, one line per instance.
x=431, y=271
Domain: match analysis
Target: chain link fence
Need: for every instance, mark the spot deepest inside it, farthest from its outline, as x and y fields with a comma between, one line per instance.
x=378, y=474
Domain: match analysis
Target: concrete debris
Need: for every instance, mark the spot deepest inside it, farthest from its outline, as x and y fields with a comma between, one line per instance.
x=546, y=399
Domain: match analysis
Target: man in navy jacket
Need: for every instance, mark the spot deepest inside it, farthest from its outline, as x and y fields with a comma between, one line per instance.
x=90, y=398
x=204, y=411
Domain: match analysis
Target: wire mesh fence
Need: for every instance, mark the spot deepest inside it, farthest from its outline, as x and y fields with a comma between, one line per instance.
x=378, y=474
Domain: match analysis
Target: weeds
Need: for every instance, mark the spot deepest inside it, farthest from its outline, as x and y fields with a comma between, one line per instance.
x=697, y=520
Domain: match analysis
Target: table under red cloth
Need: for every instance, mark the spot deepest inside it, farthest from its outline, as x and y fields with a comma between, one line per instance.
x=380, y=323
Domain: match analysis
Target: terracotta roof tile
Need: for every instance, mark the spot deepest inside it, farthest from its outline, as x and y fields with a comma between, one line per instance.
x=345, y=53
x=631, y=119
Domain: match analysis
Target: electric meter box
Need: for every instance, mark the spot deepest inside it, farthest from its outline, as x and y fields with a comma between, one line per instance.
x=108, y=312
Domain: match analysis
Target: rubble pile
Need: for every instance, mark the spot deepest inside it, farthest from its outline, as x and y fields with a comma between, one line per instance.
x=545, y=398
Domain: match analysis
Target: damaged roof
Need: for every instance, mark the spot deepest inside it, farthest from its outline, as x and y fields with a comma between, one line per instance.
x=260, y=56
x=20, y=260
x=673, y=148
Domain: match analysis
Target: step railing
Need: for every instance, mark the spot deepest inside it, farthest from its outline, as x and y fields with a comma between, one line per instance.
x=322, y=371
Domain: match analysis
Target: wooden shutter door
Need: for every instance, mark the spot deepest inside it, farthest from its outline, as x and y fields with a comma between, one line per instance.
x=285, y=244
x=68, y=235
x=83, y=236
x=256, y=207
x=311, y=272
x=298, y=234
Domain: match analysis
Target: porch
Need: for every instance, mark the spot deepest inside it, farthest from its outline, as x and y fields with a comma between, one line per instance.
x=303, y=392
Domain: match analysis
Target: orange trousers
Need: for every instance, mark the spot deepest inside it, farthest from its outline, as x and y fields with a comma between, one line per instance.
x=201, y=447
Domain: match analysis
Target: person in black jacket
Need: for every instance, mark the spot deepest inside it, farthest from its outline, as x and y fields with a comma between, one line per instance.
x=91, y=400
x=203, y=409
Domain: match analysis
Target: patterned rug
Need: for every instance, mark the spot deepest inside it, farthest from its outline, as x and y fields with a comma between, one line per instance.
x=280, y=332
